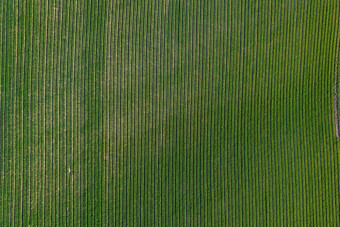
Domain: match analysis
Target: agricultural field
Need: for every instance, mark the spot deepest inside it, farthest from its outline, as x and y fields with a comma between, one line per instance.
x=169, y=113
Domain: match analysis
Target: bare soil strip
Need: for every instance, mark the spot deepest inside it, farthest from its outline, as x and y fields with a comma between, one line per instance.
x=336, y=122
x=336, y=113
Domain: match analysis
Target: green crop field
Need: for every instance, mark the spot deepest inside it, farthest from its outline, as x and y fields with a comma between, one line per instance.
x=169, y=113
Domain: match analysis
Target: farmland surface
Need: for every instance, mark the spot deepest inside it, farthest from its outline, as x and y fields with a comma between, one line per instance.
x=169, y=113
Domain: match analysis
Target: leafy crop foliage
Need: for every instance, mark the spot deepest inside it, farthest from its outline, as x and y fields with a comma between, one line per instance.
x=168, y=113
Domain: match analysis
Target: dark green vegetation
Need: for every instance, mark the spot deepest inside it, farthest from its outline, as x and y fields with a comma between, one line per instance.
x=168, y=112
